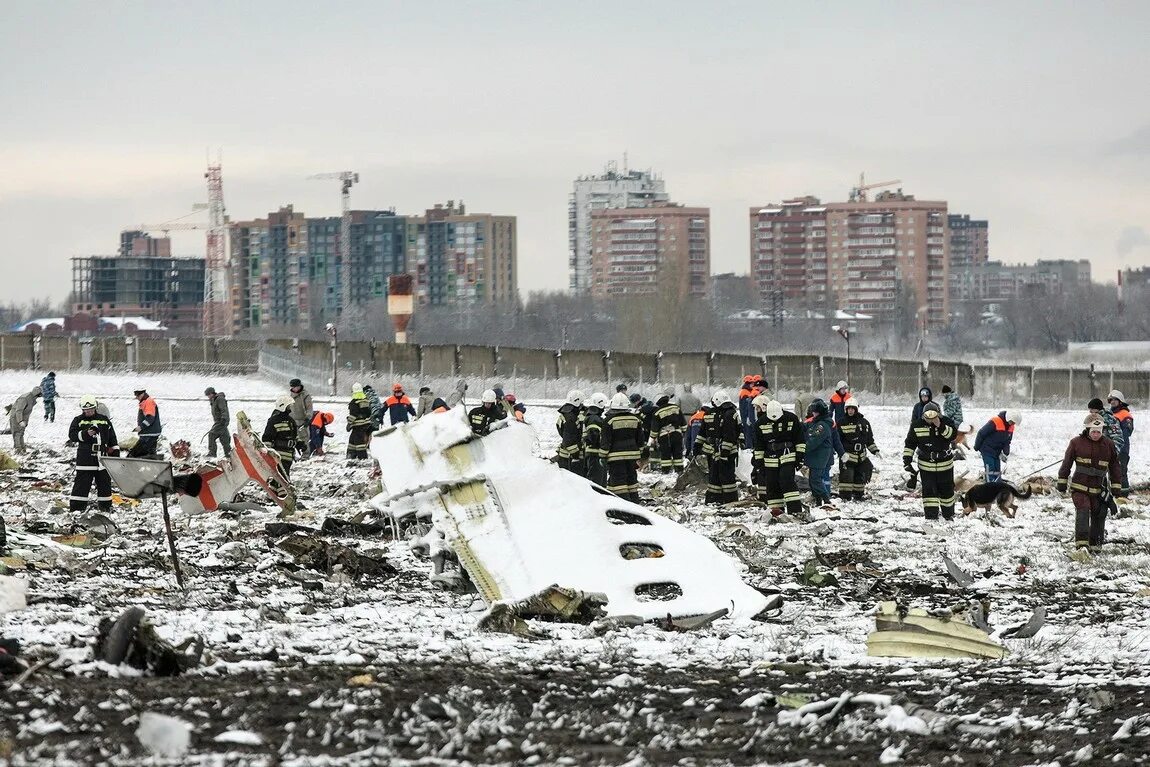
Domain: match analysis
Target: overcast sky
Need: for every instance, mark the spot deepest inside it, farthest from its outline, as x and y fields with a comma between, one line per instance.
x=1031, y=114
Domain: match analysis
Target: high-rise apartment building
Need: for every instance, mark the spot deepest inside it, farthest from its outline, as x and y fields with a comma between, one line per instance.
x=612, y=189
x=461, y=258
x=969, y=240
x=161, y=288
x=664, y=249
x=871, y=256
x=976, y=286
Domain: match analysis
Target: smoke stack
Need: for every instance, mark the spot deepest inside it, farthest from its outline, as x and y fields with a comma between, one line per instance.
x=400, y=303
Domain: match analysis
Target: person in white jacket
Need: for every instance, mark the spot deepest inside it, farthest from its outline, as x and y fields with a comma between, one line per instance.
x=18, y=416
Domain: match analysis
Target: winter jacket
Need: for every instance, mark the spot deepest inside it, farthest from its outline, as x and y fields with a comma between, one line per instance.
x=21, y=410
x=688, y=402
x=456, y=397
x=857, y=436
x=995, y=436
x=280, y=434
x=148, y=418
x=86, y=444
x=647, y=413
x=220, y=416
x=482, y=416
x=359, y=414
x=778, y=442
x=668, y=419
x=819, y=442
x=48, y=388
x=376, y=405
x=725, y=432
x=706, y=428
x=916, y=414
x=426, y=404
x=931, y=443
x=623, y=435
x=838, y=406
x=569, y=424
x=1113, y=430
x=301, y=408
x=747, y=410
x=952, y=406
x=398, y=408
x=1121, y=411
x=1093, y=462
x=593, y=425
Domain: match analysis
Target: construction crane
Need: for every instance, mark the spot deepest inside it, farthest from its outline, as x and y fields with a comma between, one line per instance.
x=858, y=193
x=171, y=226
x=346, y=178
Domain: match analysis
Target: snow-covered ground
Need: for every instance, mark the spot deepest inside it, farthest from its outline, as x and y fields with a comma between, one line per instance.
x=257, y=622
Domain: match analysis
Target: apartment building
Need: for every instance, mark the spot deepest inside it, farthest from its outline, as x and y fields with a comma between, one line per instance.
x=969, y=240
x=458, y=257
x=651, y=250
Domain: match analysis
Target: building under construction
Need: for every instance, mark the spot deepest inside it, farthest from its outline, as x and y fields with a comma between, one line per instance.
x=169, y=290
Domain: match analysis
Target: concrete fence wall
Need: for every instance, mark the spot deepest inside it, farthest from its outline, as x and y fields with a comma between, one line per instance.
x=891, y=380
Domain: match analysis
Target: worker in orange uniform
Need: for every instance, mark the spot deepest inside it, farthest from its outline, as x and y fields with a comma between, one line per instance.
x=398, y=406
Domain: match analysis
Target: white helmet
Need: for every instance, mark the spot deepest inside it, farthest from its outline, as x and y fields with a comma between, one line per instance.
x=1115, y=394
x=841, y=385
x=357, y=388
x=774, y=410
x=488, y=397
x=720, y=397
x=851, y=402
x=760, y=402
x=1094, y=423
x=620, y=402
x=599, y=400
x=575, y=397
x=283, y=404
x=1014, y=417
x=88, y=402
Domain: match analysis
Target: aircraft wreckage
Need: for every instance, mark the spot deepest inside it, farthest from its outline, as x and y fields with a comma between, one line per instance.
x=519, y=525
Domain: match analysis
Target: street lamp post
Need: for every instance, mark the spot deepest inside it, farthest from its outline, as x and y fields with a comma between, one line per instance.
x=333, y=331
x=845, y=332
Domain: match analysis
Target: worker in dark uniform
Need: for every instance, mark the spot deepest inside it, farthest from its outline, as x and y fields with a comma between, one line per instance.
x=623, y=440
x=569, y=424
x=703, y=446
x=929, y=438
x=487, y=412
x=94, y=436
x=778, y=452
x=280, y=433
x=855, y=467
x=1097, y=467
x=668, y=426
x=147, y=425
x=360, y=423
x=722, y=487
x=594, y=456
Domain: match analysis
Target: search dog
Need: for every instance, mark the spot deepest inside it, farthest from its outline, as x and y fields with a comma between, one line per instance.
x=1001, y=494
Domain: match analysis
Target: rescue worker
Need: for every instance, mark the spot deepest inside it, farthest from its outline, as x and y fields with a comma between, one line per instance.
x=359, y=424
x=925, y=395
x=48, y=392
x=1097, y=467
x=376, y=405
x=281, y=434
x=148, y=425
x=594, y=456
x=486, y=413
x=839, y=400
x=819, y=455
x=19, y=413
x=993, y=442
x=929, y=439
x=747, y=394
x=398, y=406
x=426, y=397
x=317, y=430
x=668, y=426
x=93, y=436
x=722, y=486
x=1121, y=411
x=855, y=467
x=623, y=440
x=778, y=451
x=514, y=407
x=302, y=410
x=690, y=405
x=221, y=419
x=1112, y=429
x=569, y=424
x=706, y=416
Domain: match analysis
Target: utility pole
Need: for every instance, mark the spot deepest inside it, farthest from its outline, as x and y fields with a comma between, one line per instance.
x=346, y=178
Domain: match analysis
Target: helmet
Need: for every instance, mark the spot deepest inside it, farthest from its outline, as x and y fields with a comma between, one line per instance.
x=139, y=390
x=620, y=402
x=748, y=379
x=720, y=397
x=760, y=401
x=575, y=397
x=88, y=402
x=1115, y=394
x=283, y=404
x=851, y=402
x=1093, y=423
x=931, y=407
x=488, y=397
x=774, y=410
x=842, y=385
x=1014, y=417
x=510, y=398
x=356, y=387
x=926, y=392
x=819, y=406
x=396, y=388
x=599, y=400
x=636, y=399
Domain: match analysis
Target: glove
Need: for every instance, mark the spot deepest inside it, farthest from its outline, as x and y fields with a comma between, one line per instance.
x=348, y=427
x=114, y=451
x=1060, y=486
x=911, y=479
x=874, y=450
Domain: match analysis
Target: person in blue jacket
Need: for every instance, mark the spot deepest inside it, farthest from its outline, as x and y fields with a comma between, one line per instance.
x=925, y=395
x=819, y=456
x=993, y=442
x=398, y=406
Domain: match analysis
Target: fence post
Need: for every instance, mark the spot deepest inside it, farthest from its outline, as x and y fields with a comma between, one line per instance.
x=1032, y=386
x=1111, y=381
x=776, y=376
x=710, y=368
x=1070, y=387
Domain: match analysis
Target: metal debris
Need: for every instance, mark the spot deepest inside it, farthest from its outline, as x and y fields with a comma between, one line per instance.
x=1030, y=628
x=956, y=573
x=914, y=633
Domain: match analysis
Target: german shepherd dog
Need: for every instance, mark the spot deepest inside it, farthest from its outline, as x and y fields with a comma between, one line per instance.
x=1001, y=494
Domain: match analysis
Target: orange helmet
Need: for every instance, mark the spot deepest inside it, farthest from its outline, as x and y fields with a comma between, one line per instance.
x=328, y=417
x=748, y=379
x=395, y=387
x=510, y=398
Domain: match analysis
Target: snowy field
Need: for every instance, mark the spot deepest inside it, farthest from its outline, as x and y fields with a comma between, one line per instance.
x=281, y=649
